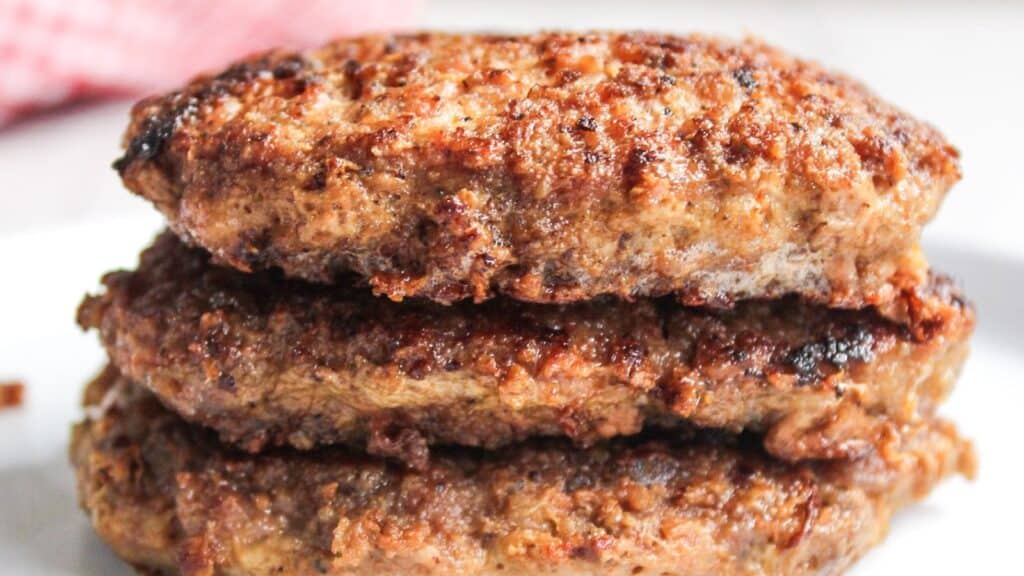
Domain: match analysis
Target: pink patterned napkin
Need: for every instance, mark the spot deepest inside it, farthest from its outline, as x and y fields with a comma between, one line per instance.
x=55, y=51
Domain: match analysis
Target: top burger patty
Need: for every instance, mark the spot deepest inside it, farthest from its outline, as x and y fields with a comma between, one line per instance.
x=552, y=167
x=266, y=360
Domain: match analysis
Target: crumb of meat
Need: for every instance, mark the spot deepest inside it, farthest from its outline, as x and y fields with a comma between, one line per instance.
x=12, y=394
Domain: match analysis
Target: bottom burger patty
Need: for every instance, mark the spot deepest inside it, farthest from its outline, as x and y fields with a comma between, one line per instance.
x=169, y=499
x=264, y=361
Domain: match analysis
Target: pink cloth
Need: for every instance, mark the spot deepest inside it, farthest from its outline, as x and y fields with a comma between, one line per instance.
x=54, y=51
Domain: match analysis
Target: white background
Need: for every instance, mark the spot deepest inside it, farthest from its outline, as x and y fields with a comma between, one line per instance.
x=64, y=219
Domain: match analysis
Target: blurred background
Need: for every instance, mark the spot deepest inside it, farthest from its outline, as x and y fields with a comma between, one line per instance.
x=70, y=69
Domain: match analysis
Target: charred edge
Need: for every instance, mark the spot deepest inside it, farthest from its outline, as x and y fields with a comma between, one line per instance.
x=857, y=345
x=157, y=130
x=149, y=142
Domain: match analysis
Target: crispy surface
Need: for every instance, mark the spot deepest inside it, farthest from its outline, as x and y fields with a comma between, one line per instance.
x=552, y=168
x=265, y=360
x=167, y=498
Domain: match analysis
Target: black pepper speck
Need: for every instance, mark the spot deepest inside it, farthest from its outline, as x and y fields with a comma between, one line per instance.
x=745, y=77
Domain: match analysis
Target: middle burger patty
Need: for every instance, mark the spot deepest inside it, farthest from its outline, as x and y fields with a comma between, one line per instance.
x=266, y=360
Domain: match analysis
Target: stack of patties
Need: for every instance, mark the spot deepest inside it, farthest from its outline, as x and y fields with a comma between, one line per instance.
x=561, y=303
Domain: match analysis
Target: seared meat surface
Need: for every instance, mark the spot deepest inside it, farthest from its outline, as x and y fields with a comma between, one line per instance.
x=266, y=360
x=169, y=499
x=552, y=167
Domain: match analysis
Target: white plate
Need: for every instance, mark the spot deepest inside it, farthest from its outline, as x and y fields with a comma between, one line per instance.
x=42, y=532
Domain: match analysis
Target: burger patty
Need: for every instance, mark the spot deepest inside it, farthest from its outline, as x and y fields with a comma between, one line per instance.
x=552, y=167
x=267, y=360
x=169, y=499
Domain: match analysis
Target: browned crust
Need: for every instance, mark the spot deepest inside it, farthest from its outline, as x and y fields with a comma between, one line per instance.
x=265, y=360
x=166, y=497
x=552, y=167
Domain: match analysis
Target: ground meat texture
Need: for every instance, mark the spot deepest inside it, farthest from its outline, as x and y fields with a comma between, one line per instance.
x=169, y=499
x=266, y=360
x=551, y=167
